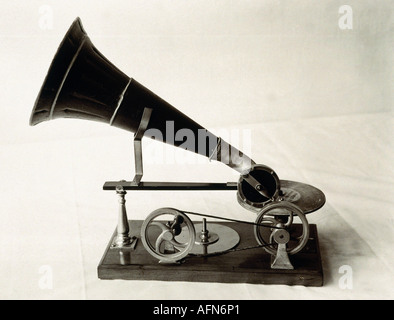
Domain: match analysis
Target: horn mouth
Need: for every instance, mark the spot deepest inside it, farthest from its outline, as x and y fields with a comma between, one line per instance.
x=58, y=69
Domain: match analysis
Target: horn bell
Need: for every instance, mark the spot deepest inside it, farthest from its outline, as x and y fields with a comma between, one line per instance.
x=82, y=84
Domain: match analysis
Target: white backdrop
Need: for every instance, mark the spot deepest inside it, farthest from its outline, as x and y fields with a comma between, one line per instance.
x=316, y=97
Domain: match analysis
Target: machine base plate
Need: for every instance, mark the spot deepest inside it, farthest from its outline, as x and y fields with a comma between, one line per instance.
x=244, y=266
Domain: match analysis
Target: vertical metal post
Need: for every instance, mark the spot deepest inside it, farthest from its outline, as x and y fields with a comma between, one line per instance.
x=122, y=238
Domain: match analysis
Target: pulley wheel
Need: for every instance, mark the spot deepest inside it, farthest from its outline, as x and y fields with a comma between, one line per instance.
x=168, y=235
x=276, y=217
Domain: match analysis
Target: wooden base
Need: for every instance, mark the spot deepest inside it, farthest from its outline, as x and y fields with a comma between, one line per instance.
x=245, y=266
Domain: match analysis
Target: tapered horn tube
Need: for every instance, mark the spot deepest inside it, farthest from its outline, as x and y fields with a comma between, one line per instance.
x=82, y=84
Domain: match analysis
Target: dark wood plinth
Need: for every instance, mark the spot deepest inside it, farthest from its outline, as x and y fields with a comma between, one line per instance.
x=246, y=266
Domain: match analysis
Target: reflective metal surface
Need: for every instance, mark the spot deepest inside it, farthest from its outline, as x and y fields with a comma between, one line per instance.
x=228, y=239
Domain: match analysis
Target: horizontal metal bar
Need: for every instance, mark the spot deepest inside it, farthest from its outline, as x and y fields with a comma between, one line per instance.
x=156, y=185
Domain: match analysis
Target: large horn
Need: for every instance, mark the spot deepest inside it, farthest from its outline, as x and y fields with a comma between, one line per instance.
x=81, y=83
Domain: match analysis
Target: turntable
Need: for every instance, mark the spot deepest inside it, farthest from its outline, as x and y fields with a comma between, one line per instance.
x=179, y=244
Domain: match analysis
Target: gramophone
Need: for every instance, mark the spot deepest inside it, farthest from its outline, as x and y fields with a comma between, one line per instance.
x=279, y=247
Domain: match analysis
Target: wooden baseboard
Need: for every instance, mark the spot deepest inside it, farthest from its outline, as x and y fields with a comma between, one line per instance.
x=245, y=266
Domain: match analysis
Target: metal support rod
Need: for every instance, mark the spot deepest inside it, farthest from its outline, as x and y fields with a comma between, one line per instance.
x=204, y=232
x=171, y=186
x=122, y=237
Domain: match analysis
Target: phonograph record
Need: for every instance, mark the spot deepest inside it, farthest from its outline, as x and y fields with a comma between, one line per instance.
x=278, y=247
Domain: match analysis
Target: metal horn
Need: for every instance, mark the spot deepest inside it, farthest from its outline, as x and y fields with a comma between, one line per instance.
x=82, y=84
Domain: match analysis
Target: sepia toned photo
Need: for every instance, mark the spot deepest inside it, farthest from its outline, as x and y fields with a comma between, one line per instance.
x=196, y=151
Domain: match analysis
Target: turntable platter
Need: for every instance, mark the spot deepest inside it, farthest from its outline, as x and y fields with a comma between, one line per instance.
x=304, y=196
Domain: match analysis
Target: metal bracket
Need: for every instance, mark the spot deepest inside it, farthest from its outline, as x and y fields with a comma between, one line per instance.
x=139, y=170
x=122, y=238
x=281, y=260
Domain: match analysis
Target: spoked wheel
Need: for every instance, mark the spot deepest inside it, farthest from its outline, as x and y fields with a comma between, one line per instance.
x=161, y=231
x=274, y=227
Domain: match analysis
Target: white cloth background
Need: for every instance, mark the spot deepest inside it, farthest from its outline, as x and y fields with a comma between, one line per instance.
x=316, y=100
